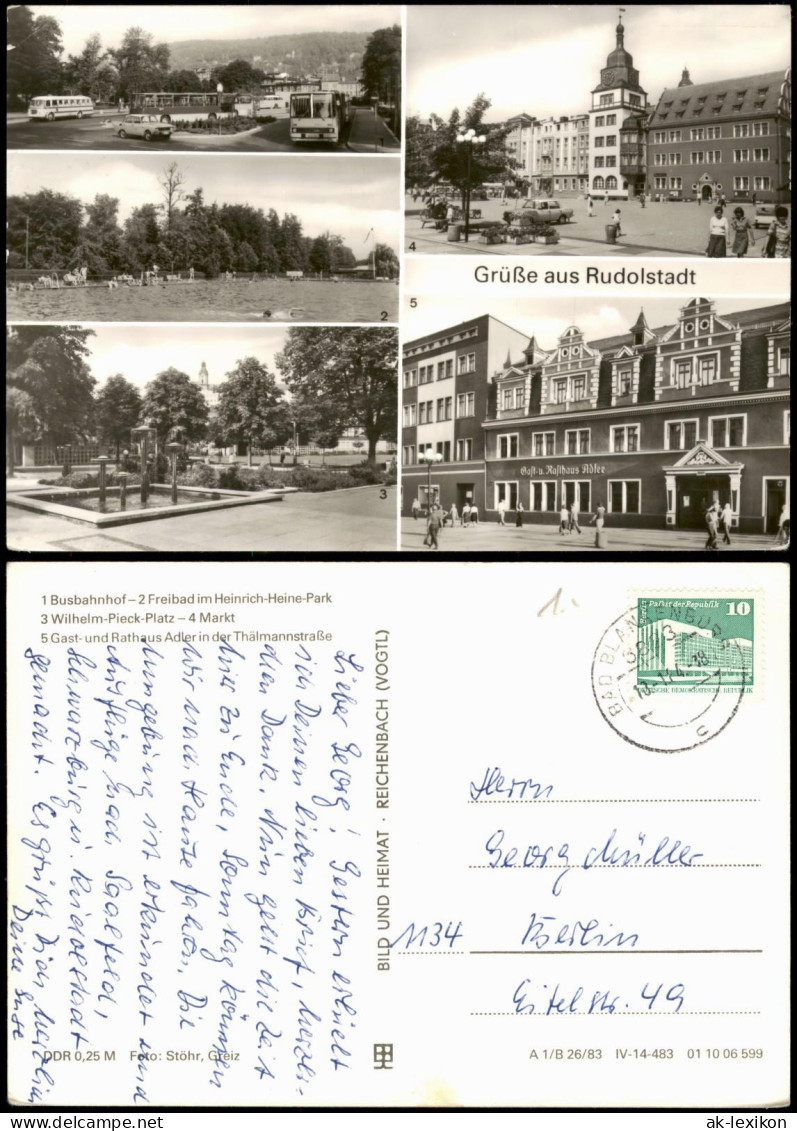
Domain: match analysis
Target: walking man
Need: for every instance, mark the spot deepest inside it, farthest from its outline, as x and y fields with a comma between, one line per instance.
x=573, y=518
x=519, y=513
x=726, y=521
x=616, y=220
x=502, y=512
x=564, y=520
x=590, y=209
x=712, y=525
x=466, y=514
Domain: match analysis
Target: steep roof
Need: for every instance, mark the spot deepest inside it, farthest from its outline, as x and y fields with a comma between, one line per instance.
x=753, y=95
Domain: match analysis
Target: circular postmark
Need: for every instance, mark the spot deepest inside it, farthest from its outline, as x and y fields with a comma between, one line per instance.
x=661, y=715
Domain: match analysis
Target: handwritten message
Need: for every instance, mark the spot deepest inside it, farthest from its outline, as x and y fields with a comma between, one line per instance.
x=187, y=871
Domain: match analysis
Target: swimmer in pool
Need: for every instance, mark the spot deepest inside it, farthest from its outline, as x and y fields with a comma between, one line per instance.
x=294, y=312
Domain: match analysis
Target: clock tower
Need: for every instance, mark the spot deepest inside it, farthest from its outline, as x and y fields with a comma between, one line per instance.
x=617, y=167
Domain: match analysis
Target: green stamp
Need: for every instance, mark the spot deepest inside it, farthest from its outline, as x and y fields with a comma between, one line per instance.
x=699, y=643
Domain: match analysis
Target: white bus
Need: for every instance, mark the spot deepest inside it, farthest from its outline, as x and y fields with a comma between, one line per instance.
x=318, y=115
x=184, y=105
x=49, y=106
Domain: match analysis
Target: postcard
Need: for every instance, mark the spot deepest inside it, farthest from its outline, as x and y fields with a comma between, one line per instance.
x=503, y=835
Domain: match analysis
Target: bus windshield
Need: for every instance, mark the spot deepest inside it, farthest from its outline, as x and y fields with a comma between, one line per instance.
x=313, y=105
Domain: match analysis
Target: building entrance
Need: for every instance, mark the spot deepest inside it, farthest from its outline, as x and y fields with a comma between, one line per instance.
x=696, y=493
x=706, y=192
x=775, y=500
x=465, y=494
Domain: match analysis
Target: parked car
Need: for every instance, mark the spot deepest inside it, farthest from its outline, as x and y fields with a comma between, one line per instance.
x=764, y=215
x=549, y=211
x=148, y=126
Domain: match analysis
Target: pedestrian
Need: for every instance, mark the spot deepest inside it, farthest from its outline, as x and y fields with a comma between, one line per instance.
x=723, y=201
x=616, y=220
x=598, y=520
x=433, y=527
x=573, y=518
x=416, y=505
x=778, y=245
x=282, y=457
x=564, y=519
x=190, y=274
x=718, y=231
x=642, y=199
x=784, y=527
x=519, y=514
x=712, y=525
x=590, y=209
x=726, y=522
x=453, y=514
x=743, y=233
x=474, y=515
x=753, y=199
x=450, y=213
x=502, y=512
x=466, y=514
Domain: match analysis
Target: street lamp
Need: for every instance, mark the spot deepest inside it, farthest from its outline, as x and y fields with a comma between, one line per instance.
x=219, y=91
x=469, y=138
x=430, y=457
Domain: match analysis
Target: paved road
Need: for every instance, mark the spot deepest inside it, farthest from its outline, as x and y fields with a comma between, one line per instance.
x=488, y=537
x=366, y=134
x=356, y=520
x=658, y=229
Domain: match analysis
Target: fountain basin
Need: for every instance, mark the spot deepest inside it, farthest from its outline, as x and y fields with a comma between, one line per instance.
x=83, y=505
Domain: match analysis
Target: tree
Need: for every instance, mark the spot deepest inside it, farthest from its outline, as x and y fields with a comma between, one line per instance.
x=293, y=252
x=182, y=81
x=172, y=186
x=141, y=238
x=238, y=75
x=20, y=422
x=141, y=64
x=100, y=242
x=344, y=377
x=386, y=261
x=381, y=65
x=117, y=410
x=50, y=224
x=91, y=72
x=33, y=57
x=251, y=408
x=47, y=364
x=488, y=162
x=420, y=142
x=172, y=401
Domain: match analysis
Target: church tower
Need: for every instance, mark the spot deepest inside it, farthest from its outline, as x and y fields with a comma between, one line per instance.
x=204, y=379
x=617, y=167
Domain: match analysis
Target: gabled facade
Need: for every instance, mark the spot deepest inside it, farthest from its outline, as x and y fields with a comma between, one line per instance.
x=656, y=423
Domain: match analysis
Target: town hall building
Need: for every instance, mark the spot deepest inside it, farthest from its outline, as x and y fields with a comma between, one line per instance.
x=654, y=424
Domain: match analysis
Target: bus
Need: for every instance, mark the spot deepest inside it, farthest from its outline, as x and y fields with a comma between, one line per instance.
x=186, y=106
x=46, y=107
x=320, y=115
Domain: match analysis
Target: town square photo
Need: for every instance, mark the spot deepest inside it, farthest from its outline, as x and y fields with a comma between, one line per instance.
x=589, y=130
x=201, y=438
x=233, y=77
x=563, y=424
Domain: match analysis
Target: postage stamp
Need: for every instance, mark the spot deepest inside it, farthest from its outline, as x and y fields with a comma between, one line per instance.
x=695, y=643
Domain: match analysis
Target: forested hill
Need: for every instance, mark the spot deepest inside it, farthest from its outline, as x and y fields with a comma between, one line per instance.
x=296, y=54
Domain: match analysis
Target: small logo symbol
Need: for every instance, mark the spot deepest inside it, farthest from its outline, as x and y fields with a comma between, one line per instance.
x=383, y=1056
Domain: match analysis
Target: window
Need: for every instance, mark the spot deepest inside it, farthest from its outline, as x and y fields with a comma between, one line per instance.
x=409, y=415
x=741, y=154
x=466, y=404
x=697, y=134
x=681, y=374
x=408, y=454
x=660, y=182
x=741, y=184
x=599, y=162
x=624, y=496
x=713, y=132
x=784, y=360
x=543, y=443
x=464, y=449
x=741, y=130
x=762, y=183
x=787, y=426
x=599, y=121
x=611, y=162
x=597, y=183
x=560, y=390
x=625, y=438
x=674, y=159
x=706, y=369
x=611, y=139
x=728, y=431
x=507, y=446
x=579, y=389
x=611, y=182
x=760, y=129
x=680, y=435
x=505, y=493
x=576, y=492
x=624, y=382
x=599, y=143
x=635, y=99
x=676, y=183
x=577, y=441
x=611, y=120
x=542, y=496
x=410, y=378
x=761, y=155
x=444, y=449
x=422, y=412
x=444, y=405
x=607, y=99
x=425, y=374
